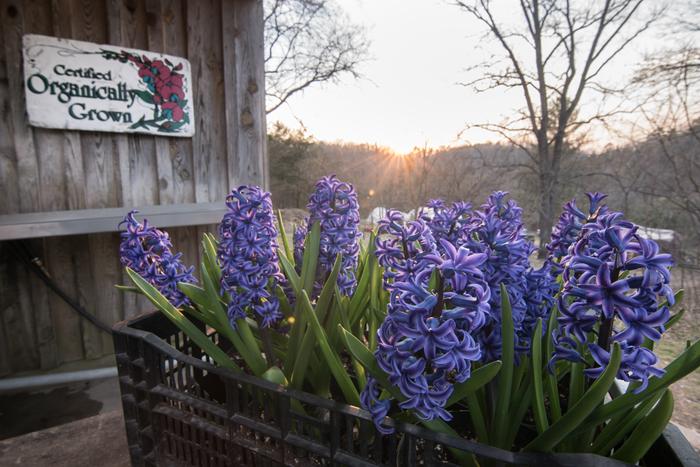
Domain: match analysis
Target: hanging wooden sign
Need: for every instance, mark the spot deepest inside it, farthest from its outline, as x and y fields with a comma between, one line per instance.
x=84, y=86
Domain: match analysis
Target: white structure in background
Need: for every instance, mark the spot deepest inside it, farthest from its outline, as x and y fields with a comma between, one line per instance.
x=659, y=235
x=379, y=213
x=376, y=215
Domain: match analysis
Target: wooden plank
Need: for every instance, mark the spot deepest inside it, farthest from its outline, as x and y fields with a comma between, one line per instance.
x=5, y=367
x=18, y=326
x=117, y=36
x=143, y=174
x=15, y=308
x=9, y=190
x=86, y=295
x=49, y=148
x=175, y=43
x=213, y=89
x=85, y=221
x=107, y=273
x=202, y=55
x=9, y=203
x=250, y=93
x=74, y=172
x=164, y=165
x=121, y=142
x=36, y=305
x=12, y=17
x=228, y=37
x=59, y=262
x=32, y=297
x=48, y=143
x=89, y=23
x=60, y=265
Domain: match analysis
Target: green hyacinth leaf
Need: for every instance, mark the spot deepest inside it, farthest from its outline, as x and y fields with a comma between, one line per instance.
x=576, y=414
x=308, y=342
x=288, y=250
x=181, y=321
x=505, y=378
x=647, y=431
x=687, y=362
x=538, y=406
x=332, y=359
x=479, y=378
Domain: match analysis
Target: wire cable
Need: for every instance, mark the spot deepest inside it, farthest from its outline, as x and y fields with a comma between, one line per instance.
x=25, y=255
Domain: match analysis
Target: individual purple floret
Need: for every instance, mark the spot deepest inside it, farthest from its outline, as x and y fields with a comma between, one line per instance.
x=248, y=255
x=425, y=343
x=146, y=250
x=614, y=284
x=379, y=408
x=334, y=205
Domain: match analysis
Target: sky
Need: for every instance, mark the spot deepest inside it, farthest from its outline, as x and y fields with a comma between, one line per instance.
x=410, y=96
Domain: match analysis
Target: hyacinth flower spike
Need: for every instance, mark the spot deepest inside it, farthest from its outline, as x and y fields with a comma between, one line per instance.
x=598, y=298
x=248, y=256
x=147, y=251
x=425, y=344
x=334, y=205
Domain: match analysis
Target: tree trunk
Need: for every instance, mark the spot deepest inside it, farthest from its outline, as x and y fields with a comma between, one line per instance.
x=546, y=218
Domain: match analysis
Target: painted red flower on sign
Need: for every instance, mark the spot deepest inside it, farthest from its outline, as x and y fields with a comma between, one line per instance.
x=165, y=91
x=173, y=111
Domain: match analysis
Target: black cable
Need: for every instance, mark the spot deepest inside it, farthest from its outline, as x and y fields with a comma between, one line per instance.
x=34, y=264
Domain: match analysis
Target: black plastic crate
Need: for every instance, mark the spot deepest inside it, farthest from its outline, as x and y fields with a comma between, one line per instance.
x=182, y=410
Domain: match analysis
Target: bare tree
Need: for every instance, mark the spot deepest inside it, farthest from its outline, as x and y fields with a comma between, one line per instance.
x=554, y=58
x=308, y=42
x=671, y=79
x=419, y=165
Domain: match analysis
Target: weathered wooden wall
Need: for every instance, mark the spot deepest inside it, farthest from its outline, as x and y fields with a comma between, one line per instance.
x=46, y=170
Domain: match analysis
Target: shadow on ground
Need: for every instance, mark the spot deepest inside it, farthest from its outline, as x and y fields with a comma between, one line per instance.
x=36, y=410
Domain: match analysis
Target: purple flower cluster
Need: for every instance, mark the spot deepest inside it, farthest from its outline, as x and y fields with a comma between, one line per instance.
x=451, y=223
x=497, y=232
x=540, y=289
x=248, y=255
x=425, y=343
x=147, y=251
x=614, y=281
x=334, y=205
x=568, y=227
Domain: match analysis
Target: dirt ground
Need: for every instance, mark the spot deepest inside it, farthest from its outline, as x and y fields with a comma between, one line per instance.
x=687, y=391
x=94, y=441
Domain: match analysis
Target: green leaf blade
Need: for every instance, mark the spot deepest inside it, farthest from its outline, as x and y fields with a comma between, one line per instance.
x=575, y=415
x=185, y=325
x=538, y=402
x=505, y=379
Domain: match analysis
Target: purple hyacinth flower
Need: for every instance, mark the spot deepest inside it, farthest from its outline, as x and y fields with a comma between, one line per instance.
x=425, y=344
x=334, y=205
x=248, y=256
x=614, y=282
x=147, y=251
x=496, y=230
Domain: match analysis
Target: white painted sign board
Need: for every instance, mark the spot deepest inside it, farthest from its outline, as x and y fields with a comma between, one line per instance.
x=84, y=86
